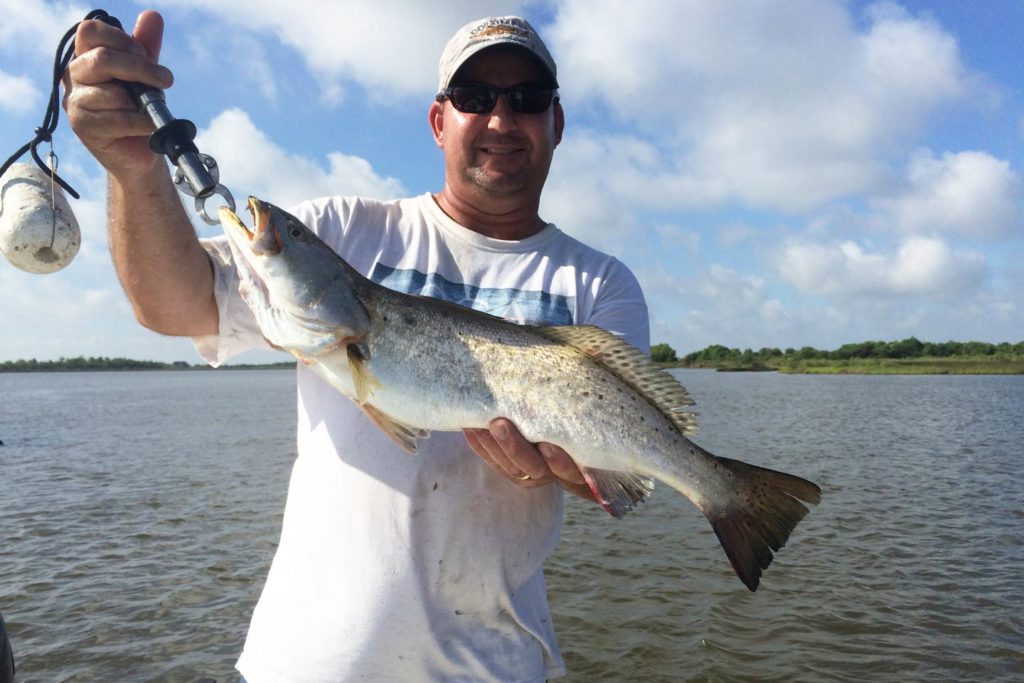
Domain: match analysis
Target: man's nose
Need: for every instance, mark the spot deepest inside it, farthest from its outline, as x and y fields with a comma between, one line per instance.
x=502, y=118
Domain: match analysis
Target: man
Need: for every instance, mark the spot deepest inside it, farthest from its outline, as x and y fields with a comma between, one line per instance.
x=6, y=656
x=390, y=567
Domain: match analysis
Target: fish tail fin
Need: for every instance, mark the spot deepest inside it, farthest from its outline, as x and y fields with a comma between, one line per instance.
x=760, y=517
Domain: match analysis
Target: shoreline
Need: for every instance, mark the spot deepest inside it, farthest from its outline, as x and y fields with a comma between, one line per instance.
x=879, y=366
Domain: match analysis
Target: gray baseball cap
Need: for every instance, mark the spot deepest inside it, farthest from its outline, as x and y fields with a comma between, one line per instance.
x=484, y=33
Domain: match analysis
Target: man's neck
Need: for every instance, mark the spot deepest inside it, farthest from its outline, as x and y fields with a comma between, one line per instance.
x=517, y=222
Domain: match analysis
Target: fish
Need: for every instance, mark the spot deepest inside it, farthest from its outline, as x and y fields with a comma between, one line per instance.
x=415, y=364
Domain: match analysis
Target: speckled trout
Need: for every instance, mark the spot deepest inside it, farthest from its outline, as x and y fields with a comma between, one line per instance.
x=415, y=364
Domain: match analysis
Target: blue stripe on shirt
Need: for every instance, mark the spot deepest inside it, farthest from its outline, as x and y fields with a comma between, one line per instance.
x=521, y=306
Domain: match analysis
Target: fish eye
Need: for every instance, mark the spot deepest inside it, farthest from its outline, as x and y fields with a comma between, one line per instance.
x=295, y=232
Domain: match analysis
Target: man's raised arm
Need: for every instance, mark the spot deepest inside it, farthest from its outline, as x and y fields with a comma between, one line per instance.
x=162, y=267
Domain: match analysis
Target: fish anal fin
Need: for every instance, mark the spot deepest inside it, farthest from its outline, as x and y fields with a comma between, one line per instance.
x=760, y=518
x=617, y=492
x=633, y=367
x=402, y=434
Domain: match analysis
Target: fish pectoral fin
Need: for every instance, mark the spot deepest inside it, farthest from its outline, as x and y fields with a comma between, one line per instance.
x=363, y=382
x=402, y=434
x=618, y=492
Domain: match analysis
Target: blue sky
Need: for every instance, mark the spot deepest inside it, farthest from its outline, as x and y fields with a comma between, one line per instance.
x=776, y=173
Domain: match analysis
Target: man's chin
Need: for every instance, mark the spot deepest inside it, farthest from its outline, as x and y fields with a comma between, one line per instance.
x=500, y=182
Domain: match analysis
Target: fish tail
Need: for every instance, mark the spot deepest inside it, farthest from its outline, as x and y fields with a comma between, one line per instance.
x=760, y=517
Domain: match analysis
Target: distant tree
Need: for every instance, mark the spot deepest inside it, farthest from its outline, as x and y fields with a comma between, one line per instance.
x=807, y=352
x=663, y=353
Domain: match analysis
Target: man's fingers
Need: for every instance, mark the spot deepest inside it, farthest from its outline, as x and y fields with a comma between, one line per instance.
x=489, y=450
x=109, y=126
x=520, y=453
x=94, y=33
x=102, y=64
x=484, y=445
x=505, y=449
x=149, y=33
x=560, y=464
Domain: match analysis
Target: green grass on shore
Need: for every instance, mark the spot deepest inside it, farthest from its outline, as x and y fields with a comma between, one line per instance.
x=962, y=365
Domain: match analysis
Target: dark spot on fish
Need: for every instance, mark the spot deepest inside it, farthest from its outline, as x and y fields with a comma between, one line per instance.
x=409, y=319
x=435, y=486
x=600, y=397
x=458, y=612
x=586, y=393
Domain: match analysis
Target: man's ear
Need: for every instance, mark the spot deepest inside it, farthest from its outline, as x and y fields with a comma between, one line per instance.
x=559, y=122
x=436, y=116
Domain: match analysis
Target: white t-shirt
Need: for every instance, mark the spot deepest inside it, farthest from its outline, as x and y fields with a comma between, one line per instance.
x=426, y=567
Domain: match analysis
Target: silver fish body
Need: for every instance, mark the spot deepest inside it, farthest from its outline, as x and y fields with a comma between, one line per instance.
x=415, y=364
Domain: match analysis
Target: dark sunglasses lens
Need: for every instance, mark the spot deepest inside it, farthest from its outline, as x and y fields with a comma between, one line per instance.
x=480, y=99
x=474, y=99
x=529, y=99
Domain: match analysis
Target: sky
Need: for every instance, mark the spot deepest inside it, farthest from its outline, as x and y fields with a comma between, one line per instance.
x=776, y=174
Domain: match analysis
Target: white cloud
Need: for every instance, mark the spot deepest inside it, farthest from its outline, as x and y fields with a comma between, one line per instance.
x=17, y=94
x=713, y=305
x=599, y=182
x=35, y=27
x=919, y=266
x=784, y=106
x=241, y=55
x=251, y=163
x=391, y=48
x=971, y=194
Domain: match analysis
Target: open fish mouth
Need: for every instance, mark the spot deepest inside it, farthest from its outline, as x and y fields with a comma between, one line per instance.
x=262, y=239
x=230, y=218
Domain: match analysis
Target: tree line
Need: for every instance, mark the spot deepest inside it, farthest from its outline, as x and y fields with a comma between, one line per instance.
x=90, y=363
x=910, y=347
x=94, y=363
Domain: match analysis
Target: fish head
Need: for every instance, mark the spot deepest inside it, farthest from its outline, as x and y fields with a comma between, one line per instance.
x=304, y=296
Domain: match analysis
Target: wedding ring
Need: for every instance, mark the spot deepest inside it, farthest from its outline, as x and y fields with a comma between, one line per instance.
x=524, y=477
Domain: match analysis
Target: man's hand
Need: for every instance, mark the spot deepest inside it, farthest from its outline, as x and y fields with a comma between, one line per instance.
x=99, y=108
x=525, y=464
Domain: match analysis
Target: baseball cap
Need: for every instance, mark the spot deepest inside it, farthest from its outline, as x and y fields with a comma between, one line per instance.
x=490, y=32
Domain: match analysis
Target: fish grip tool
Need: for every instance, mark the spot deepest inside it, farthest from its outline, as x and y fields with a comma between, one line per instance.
x=196, y=175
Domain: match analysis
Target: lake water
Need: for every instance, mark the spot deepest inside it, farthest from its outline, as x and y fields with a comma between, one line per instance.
x=139, y=513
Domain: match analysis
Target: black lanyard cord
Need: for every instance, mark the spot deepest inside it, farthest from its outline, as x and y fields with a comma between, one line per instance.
x=44, y=133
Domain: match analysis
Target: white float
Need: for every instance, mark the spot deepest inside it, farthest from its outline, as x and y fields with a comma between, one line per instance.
x=38, y=231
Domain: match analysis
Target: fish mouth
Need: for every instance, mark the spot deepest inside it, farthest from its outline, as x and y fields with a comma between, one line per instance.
x=262, y=238
x=229, y=218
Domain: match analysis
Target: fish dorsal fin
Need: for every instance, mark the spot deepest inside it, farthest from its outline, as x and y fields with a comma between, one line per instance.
x=633, y=367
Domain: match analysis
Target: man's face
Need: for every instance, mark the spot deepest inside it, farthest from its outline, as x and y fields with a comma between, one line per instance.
x=500, y=153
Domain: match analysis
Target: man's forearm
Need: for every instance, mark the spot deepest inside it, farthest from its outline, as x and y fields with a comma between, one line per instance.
x=162, y=267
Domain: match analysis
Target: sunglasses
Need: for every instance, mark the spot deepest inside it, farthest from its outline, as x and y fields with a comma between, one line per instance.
x=480, y=98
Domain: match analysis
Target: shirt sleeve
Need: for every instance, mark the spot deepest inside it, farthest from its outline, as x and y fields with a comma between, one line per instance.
x=238, y=331
x=620, y=307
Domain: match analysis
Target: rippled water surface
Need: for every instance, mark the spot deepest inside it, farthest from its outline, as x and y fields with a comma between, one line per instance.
x=139, y=513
